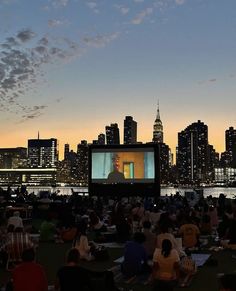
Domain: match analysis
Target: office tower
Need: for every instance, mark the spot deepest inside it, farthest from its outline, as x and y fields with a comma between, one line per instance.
x=192, y=155
x=157, y=128
x=113, y=134
x=213, y=162
x=165, y=162
x=13, y=158
x=42, y=153
x=101, y=139
x=81, y=165
x=130, y=130
x=230, y=146
x=165, y=153
x=66, y=151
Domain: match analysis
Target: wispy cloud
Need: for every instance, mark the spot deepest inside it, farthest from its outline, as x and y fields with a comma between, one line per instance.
x=123, y=9
x=56, y=22
x=99, y=41
x=139, y=18
x=32, y=112
x=59, y=3
x=180, y=2
x=93, y=6
x=213, y=80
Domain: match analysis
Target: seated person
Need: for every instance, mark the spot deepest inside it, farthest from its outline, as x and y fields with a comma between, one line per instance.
x=123, y=229
x=165, y=267
x=135, y=256
x=95, y=223
x=82, y=244
x=68, y=233
x=71, y=276
x=47, y=230
x=16, y=242
x=165, y=234
x=29, y=276
x=15, y=220
x=190, y=233
x=150, y=239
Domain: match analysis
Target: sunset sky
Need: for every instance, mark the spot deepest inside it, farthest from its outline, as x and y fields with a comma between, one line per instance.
x=68, y=68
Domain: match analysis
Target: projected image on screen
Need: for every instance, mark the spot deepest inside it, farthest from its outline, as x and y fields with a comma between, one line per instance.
x=130, y=166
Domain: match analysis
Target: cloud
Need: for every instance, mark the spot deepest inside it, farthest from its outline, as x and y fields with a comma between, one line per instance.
x=60, y=3
x=123, y=9
x=139, y=18
x=180, y=2
x=93, y=6
x=100, y=40
x=55, y=22
x=207, y=81
x=138, y=1
x=32, y=112
x=23, y=64
x=25, y=35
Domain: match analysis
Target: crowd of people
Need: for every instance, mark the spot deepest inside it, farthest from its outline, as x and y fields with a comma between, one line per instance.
x=158, y=236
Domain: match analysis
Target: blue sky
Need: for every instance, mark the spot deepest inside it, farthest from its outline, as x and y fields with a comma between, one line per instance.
x=68, y=68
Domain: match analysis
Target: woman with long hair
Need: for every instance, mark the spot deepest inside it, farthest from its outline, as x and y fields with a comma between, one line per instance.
x=165, y=267
x=81, y=242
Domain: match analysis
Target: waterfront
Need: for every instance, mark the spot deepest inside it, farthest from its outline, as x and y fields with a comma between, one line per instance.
x=66, y=190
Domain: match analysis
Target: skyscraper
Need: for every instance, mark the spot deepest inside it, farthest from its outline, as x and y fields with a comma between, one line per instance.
x=157, y=128
x=12, y=158
x=66, y=151
x=164, y=149
x=82, y=163
x=113, y=134
x=230, y=145
x=42, y=153
x=101, y=139
x=130, y=130
x=192, y=154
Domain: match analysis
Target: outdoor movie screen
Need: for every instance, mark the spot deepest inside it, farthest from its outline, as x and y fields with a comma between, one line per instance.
x=113, y=166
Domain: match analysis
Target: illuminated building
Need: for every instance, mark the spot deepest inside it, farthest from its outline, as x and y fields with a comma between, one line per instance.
x=165, y=153
x=193, y=154
x=42, y=153
x=12, y=158
x=37, y=177
x=157, y=128
x=113, y=134
x=130, y=130
x=66, y=151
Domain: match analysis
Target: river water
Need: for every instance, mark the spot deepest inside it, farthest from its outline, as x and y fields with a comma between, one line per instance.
x=214, y=191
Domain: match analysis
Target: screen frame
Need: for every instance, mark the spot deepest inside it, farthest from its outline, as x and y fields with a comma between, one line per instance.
x=126, y=189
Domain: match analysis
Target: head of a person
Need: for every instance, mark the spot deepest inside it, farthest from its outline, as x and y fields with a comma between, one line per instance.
x=116, y=162
x=16, y=213
x=72, y=256
x=139, y=237
x=28, y=255
x=228, y=282
x=166, y=247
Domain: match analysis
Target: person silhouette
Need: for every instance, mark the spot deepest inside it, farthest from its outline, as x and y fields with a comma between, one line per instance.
x=116, y=176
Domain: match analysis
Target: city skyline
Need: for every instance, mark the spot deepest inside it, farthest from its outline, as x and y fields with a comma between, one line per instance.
x=68, y=68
